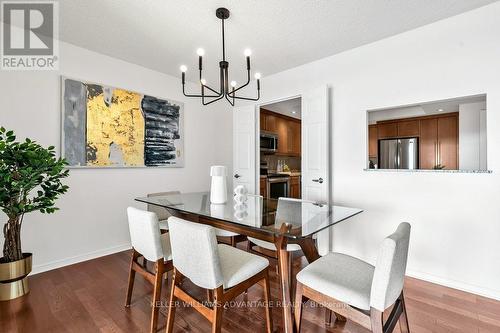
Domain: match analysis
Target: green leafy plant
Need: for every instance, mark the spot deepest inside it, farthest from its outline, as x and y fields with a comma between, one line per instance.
x=30, y=180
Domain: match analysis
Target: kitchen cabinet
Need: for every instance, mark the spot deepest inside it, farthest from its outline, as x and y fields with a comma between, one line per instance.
x=263, y=186
x=448, y=142
x=294, y=187
x=268, y=122
x=372, y=141
x=428, y=143
x=439, y=142
x=408, y=128
x=288, y=130
x=387, y=130
x=294, y=138
x=282, y=129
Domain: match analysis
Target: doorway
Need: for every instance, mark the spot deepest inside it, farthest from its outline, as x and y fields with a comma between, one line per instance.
x=280, y=148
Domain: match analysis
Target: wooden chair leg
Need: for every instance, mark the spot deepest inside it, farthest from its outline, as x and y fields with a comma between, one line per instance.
x=233, y=241
x=377, y=321
x=131, y=277
x=328, y=316
x=217, y=310
x=156, y=294
x=176, y=279
x=403, y=319
x=267, y=299
x=299, y=303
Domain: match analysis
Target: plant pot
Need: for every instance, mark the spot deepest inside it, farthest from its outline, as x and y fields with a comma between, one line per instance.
x=14, y=278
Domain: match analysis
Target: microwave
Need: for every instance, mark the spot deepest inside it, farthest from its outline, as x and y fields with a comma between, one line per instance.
x=268, y=142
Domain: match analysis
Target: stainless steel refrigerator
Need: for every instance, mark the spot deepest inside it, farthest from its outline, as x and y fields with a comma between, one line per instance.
x=398, y=153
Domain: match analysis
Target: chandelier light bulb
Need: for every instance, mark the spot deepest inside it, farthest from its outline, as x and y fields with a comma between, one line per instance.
x=183, y=68
x=257, y=76
x=248, y=52
x=233, y=84
x=200, y=52
x=203, y=81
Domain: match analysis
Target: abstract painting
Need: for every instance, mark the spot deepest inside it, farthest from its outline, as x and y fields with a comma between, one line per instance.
x=104, y=126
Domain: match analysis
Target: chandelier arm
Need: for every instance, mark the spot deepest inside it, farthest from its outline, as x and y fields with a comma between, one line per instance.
x=212, y=90
x=249, y=98
x=230, y=102
x=231, y=94
x=194, y=95
x=215, y=100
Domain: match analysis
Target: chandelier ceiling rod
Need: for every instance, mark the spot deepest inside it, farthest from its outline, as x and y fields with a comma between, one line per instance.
x=224, y=92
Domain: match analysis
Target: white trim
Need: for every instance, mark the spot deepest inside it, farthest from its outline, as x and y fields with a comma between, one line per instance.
x=473, y=289
x=79, y=258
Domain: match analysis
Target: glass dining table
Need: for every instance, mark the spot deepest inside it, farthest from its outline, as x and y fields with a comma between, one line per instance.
x=282, y=222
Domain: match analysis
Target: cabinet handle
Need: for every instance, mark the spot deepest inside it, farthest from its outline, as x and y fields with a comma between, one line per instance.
x=439, y=152
x=436, y=157
x=237, y=176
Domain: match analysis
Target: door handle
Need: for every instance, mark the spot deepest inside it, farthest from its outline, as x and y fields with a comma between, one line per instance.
x=237, y=176
x=320, y=180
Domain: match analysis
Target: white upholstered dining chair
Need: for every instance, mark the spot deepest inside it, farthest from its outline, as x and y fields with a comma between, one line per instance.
x=222, y=269
x=357, y=290
x=151, y=245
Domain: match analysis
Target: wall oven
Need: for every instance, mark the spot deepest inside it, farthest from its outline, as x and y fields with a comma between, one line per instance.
x=268, y=142
x=278, y=186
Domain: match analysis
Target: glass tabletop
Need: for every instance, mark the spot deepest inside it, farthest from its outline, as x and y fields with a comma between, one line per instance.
x=304, y=218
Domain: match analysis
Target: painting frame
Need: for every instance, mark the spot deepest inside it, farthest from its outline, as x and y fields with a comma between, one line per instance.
x=180, y=142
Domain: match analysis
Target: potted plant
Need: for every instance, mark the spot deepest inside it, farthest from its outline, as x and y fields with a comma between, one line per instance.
x=30, y=180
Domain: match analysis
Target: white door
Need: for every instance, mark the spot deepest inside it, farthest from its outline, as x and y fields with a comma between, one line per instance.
x=244, y=159
x=316, y=153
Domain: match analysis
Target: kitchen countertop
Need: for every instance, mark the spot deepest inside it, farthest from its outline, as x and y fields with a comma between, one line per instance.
x=291, y=174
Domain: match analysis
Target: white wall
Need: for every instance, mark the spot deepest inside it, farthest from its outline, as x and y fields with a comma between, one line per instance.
x=92, y=220
x=469, y=133
x=455, y=217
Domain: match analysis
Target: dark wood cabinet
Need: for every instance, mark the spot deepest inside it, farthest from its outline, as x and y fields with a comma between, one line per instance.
x=408, y=128
x=448, y=142
x=288, y=130
x=372, y=141
x=295, y=187
x=387, y=130
x=428, y=143
x=263, y=187
x=439, y=142
x=438, y=138
x=282, y=129
x=268, y=122
x=294, y=138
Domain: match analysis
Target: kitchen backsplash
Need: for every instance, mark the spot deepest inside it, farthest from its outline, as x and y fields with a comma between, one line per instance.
x=272, y=161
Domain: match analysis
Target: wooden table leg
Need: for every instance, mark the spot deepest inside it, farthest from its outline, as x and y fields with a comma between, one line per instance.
x=284, y=275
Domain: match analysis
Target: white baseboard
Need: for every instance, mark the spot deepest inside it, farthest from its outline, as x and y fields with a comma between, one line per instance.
x=76, y=259
x=486, y=292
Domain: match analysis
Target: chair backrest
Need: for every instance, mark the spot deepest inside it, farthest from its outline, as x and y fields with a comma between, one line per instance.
x=195, y=252
x=161, y=212
x=145, y=233
x=390, y=269
x=289, y=211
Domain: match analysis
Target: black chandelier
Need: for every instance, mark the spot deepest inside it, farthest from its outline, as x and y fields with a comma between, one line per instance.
x=224, y=90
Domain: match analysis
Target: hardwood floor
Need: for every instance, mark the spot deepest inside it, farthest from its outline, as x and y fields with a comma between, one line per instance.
x=90, y=297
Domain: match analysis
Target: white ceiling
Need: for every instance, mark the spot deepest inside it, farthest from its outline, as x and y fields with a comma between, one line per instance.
x=163, y=34
x=290, y=107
